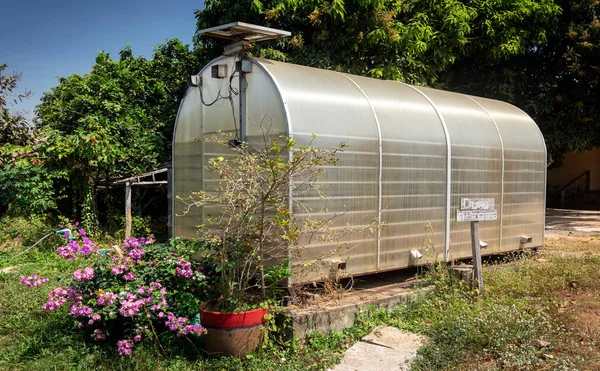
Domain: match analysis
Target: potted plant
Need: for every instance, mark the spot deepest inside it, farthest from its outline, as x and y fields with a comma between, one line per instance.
x=249, y=240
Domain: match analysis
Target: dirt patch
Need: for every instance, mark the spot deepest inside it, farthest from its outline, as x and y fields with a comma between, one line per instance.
x=582, y=244
x=578, y=324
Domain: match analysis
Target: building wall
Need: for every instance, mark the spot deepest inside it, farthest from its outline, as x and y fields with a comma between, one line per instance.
x=576, y=163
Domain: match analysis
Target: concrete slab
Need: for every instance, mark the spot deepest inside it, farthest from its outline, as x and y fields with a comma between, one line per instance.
x=385, y=348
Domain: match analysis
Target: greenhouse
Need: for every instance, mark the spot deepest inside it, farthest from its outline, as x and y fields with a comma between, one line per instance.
x=412, y=154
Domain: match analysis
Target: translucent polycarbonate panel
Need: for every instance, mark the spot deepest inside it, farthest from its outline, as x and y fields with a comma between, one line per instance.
x=476, y=165
x=524, y=175
x=265, y=112
x=205, y=111
x=414, y=169
x=187, y=164
x=331, y=107
x=392, y=131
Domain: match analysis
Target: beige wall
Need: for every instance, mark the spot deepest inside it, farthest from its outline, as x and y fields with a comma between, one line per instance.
x=574, y=164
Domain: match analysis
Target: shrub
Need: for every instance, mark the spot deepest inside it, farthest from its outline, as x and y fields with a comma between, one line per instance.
x=27, y=185
x=19, y=231
x=130, y=293
x=255, y=234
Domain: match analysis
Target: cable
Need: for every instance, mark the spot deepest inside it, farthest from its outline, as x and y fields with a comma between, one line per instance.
x=232, y=91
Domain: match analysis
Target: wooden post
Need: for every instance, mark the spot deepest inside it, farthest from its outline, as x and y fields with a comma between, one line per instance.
x=170, y=201
x=476, y=250
x=127, y=210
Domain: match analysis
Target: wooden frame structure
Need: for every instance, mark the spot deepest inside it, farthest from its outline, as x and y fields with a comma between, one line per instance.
x=147, y=179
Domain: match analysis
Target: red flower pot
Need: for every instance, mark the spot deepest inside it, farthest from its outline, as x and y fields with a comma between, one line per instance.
x=231, y=333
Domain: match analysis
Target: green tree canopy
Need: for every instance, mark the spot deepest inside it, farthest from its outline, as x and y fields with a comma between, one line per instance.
x=118, y=119
x=556, y=82
x=540, y=55
x=411, y=41
x=115, y=121
x=14, y=128
x=25, y=183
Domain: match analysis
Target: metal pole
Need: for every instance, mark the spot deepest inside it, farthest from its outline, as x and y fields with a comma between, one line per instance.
x=170, y=202
x=476, y=250
x=242, y=89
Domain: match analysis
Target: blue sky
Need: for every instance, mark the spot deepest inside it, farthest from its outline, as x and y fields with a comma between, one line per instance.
x=48, y=39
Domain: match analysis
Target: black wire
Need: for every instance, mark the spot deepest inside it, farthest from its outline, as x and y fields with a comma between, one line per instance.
x=232, y=91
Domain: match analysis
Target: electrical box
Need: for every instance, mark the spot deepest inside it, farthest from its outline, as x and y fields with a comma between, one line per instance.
x=243, y=66
x=194, y=80
x=219, y=71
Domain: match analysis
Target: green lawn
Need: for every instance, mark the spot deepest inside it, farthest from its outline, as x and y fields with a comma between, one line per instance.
x=527, y=299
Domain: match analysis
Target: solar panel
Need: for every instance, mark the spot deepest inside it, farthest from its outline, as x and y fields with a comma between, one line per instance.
x=240, y=31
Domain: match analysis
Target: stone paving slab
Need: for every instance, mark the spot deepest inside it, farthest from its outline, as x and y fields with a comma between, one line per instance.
x=385, y=348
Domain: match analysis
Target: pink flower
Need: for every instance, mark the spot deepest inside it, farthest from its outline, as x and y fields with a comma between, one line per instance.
x=84, y=274
x=194, y=329
x=73, y=248
x=33, y=281
x=124, y=347
x=119, y=269
x=80, y=310
x=129, y=276
x=184, y=269
x=99, y=334
x=136, y=254
x=106, y=298
x=56, y=298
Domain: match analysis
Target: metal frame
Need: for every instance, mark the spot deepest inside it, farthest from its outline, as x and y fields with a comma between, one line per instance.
x=380, y=170
x=449, y=166
x=502, y=177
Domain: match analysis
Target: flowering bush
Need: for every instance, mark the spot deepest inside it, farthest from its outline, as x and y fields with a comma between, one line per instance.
x=141, y=290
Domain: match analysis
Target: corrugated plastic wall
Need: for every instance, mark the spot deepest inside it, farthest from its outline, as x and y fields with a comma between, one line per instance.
x=395, y=168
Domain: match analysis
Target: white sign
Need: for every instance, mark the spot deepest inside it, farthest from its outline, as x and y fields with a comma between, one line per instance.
x=477, y=204
x=476, y=215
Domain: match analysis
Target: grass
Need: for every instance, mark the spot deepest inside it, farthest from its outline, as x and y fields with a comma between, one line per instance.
x=528, y=299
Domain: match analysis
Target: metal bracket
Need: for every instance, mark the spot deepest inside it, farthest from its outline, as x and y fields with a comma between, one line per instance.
x=237, y=48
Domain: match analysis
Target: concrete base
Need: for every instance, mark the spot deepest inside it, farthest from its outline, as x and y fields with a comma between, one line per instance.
x=336, y=315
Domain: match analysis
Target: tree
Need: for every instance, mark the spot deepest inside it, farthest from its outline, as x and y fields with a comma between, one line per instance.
x=117, y=120
x=411, y=41
x=14, y=128
x=556, y=82
x=539, y=55
x=26, y=184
